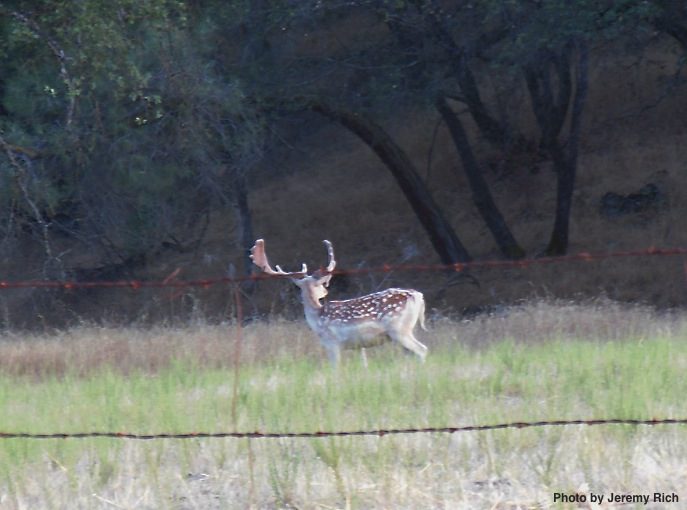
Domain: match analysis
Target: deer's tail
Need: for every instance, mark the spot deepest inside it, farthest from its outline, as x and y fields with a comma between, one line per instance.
x=421, y=315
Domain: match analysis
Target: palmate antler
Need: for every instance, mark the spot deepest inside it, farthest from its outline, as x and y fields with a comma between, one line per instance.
x=259, y=258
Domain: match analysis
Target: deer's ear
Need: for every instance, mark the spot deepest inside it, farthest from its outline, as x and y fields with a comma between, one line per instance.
x=299, y=281
x=325, y=280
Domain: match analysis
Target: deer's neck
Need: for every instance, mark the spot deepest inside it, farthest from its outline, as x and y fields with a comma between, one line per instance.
x=313, y=310
x=309, y=302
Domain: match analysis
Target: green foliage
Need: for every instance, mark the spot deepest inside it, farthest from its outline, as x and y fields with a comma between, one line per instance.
x=30, y=95
x=128, y=118
x=552, y=24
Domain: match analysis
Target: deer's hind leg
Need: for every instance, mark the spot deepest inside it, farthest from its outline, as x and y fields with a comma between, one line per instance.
x=410, y=343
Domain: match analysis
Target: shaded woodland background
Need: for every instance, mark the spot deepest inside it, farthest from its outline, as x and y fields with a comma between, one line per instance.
x=142, y=138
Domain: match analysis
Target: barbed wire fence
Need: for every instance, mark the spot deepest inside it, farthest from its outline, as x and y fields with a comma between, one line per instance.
x=345, y=433
x=234, y=281
x=458, y=267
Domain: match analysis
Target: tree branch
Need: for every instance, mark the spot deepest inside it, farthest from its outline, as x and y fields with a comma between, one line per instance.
x=21, y=177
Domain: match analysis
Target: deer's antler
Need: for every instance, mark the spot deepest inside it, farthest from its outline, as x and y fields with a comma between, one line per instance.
x=259, y=258
x=330, y=252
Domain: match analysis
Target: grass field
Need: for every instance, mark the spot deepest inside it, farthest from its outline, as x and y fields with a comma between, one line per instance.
x=535, y=362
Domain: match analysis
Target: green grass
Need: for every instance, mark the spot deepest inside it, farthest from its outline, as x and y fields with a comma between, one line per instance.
x=506, y=380
x=633, y=378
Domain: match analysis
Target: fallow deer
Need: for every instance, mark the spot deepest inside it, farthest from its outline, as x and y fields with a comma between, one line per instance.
x=373, y=319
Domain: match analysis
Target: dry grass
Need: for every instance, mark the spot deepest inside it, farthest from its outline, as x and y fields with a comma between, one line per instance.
x=85, y=350
x=467, y=472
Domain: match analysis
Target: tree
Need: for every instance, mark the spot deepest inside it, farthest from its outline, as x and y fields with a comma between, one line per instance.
x=418, y=30
x=546, y=43
x=132, y=145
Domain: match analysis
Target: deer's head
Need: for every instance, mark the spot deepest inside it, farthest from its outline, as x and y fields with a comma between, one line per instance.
x=313, y=287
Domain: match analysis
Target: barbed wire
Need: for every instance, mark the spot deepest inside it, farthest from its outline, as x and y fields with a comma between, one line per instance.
x=385, y=268
x=345, y=433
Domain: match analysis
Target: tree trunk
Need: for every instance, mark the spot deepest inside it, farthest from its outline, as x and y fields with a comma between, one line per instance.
x=481, y=195
x=565, y=185
x=567, y=168
x=441, y=234
x=550, y=111
x=245, y=219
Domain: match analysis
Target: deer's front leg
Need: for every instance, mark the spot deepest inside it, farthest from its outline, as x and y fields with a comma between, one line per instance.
x=333, y=351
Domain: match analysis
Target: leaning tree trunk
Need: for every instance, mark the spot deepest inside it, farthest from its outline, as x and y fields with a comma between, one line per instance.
x=481, y=195
x=493, y=131
x=441, y=234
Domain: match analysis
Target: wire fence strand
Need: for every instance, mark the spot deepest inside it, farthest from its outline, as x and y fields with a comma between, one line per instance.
x=347, y=433
x=385, y=268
